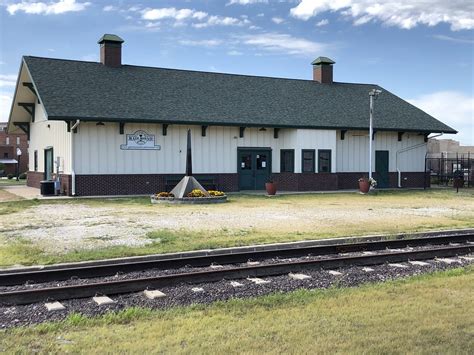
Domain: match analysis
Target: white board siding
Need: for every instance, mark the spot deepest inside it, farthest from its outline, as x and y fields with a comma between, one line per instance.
x=45, y=134
x=352, y=152
x=97, y=148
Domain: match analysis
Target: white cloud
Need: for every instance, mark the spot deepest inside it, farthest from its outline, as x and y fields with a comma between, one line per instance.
x=323, y=22
x=234, y=52
x=401, y=13
x=5, y=106
x=50, y=8
x=246, y=2
x=221, y=21
x=201, y=43
x=454, y=39
x=172, y=13
x=7, y=80
x=109, y=8
x=276, y=42
x=454, y=108
x=278, y=20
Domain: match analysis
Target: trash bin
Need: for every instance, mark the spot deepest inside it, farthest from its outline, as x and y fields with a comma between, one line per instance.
x=47, y=188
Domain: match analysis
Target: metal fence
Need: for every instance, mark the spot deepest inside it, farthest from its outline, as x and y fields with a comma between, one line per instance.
x=445, y=167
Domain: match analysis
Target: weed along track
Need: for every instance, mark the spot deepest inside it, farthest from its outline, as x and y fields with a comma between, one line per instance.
x=173, y=281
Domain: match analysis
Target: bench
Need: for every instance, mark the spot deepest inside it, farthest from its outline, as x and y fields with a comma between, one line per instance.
x=207, y=181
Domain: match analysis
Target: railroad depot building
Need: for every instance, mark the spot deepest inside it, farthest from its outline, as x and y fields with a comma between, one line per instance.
x=114, y=129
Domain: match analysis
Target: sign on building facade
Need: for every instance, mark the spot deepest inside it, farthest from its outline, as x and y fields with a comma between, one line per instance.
x=140, y=140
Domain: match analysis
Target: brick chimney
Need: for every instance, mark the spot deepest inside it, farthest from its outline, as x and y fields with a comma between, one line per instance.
x=111, y=50
x=322, y=70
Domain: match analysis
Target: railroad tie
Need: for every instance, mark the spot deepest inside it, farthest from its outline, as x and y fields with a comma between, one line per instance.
x=419, y=263
x=252, y=263
x=298, y=276
x=448, y=260
x=102, y=300
x=400, y=266
x=258, y=281
x=54, y=306
x=152, y=294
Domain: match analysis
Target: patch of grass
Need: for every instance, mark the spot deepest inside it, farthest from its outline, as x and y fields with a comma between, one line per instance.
x=423, y=314
x=11, y=182
x=19, y=251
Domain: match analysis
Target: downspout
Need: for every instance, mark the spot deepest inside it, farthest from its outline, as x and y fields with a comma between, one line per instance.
x=403, y=150
x=73, y=174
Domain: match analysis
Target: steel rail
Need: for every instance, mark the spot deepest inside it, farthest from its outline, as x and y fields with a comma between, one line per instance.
x=113, y=267
x=134, y=285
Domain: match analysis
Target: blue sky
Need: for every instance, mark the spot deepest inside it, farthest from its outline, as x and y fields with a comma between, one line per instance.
x=423, y=51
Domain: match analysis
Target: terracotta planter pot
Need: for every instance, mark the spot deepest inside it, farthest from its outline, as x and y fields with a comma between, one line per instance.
x=364, y=186
x=271, y=188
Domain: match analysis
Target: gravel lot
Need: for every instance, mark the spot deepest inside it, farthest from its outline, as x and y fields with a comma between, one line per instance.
x=64, y=227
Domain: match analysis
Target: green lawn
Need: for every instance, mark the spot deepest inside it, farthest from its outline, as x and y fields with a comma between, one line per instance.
x=10, y=182
x=244, y=220
x=424, y=314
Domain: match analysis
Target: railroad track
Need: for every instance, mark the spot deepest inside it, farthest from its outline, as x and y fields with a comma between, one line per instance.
x=433, y=247
x=112, y=267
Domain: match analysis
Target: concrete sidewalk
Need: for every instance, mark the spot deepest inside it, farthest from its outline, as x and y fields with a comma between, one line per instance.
x=29, y=193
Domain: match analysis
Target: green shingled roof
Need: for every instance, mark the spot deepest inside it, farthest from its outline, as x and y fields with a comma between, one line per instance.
x=110, y=38
x=323, y=60
x=91, y=91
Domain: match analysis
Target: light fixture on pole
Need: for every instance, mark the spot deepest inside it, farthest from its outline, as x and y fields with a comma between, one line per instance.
x=18, y=155
x=373, y=94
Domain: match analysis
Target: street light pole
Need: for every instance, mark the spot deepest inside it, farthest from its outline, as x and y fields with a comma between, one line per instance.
x=373, y=94
x=18, y=155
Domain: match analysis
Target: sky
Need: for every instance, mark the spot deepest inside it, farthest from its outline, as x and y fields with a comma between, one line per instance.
x=422, y=51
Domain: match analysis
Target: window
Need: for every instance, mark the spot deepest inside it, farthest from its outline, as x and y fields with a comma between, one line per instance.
x=307, y=160
x=287, y=160
x=324, y=161
x=17, y=140
x=7, y=141
x=5, y=155
x=36, y=160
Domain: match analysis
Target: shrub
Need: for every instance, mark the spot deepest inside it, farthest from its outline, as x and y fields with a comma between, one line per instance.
x=164, y=194
x=196, y=193
x=216, y=193
x=10, y=176
x=22, y=176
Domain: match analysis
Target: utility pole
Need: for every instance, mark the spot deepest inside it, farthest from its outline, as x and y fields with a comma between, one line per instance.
x=373, y=94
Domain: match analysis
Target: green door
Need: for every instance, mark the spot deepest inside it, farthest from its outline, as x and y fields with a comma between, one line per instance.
x=48, y=164
x=381, y=168
x=254, y=167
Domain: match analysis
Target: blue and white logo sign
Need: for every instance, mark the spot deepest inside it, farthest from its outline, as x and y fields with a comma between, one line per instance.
x=140, y=140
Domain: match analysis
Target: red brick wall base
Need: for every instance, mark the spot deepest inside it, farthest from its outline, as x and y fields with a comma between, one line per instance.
x=143, y=184
x=409, y=180
x=34, y=179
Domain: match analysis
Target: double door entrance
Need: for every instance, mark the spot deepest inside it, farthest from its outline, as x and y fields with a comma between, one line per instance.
x=254, y=167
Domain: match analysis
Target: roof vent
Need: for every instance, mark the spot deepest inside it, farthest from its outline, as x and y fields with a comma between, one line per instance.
x=322, y=70
x=111, y=50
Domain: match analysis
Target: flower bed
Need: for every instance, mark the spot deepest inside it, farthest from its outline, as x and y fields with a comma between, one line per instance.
x=194, y=197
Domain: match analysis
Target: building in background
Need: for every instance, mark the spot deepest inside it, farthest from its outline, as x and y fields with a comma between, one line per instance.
x=8, y=151
x=448, y=148
x=113, y=129
x=447, y=159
